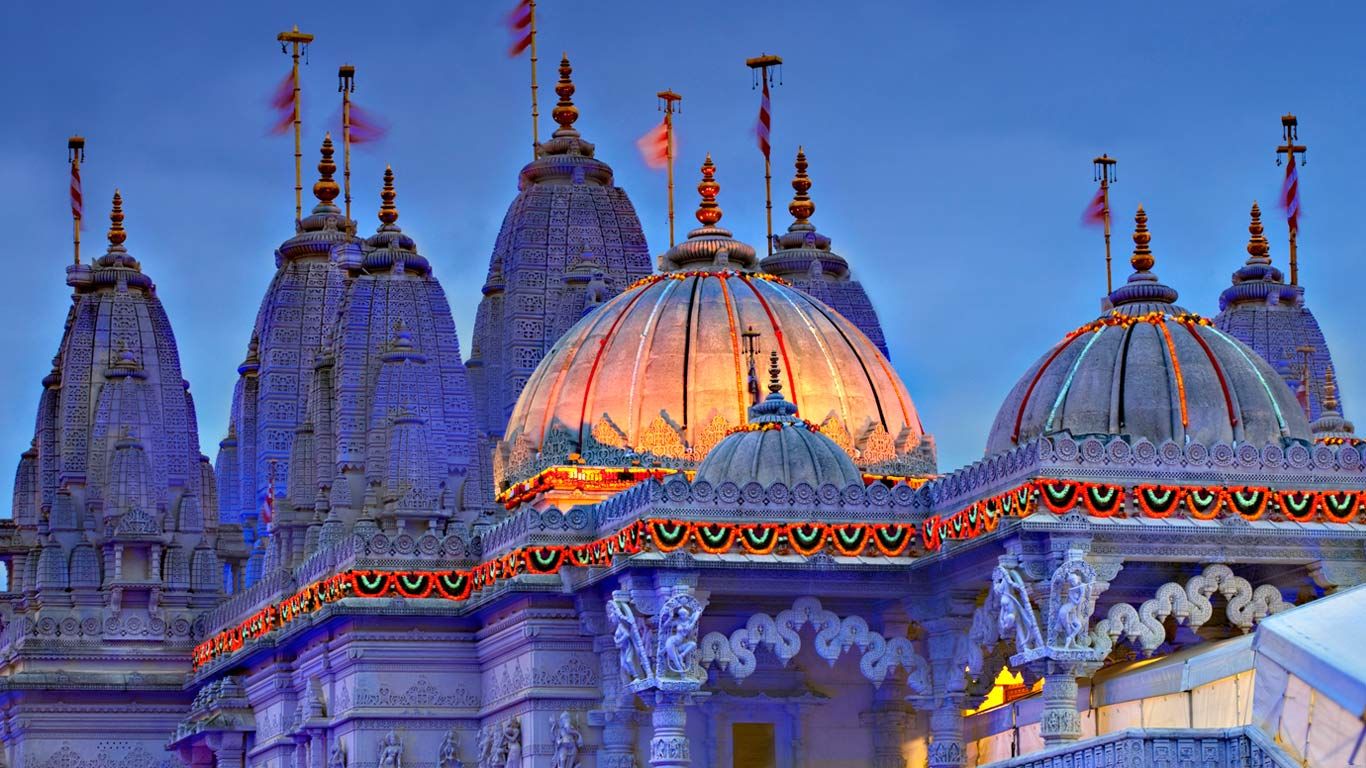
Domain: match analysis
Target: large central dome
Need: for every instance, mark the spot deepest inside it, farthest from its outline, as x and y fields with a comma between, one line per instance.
x=660, y=373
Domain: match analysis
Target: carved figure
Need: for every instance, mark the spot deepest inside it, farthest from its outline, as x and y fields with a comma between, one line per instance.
x=488, y=746
x=1017, y=615
x=337, y=758
x=597, y=291
x=630, y=645
x=567, y=740
x=448, y=756
x=1071, y=605
x=678, y=637
x=512, y=743
x=391, y=752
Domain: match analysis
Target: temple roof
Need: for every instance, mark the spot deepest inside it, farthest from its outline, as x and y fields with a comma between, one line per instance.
x=1150, y=369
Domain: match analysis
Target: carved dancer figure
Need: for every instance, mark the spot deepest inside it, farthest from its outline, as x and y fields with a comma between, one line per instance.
x=448, y=755
x=391, y=752
x=567, y=740
x=512, y=743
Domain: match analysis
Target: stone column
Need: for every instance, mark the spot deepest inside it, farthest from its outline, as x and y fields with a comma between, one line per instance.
x=669, y=744
x=1060, y=723
x=946, y=734
x=888, y=726
x=618, y=737
x=228, y=749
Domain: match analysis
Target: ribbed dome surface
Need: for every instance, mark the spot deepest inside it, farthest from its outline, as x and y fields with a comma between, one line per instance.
x=778, y=447
x=1150, y=369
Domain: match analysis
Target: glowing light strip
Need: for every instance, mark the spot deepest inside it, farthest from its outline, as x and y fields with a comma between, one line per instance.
x=1176, y=368
x=1218, y=371
x=830, y=361
x=735, y=350
x=1067, y=382
x=1275, y=406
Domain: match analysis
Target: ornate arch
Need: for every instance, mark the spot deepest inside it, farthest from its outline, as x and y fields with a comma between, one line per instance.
x=1191, y=605
x=834, y=637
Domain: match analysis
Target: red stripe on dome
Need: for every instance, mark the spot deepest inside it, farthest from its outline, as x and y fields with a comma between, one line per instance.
x=564, y=372
x=778, y=333
x=1019, y=415
x=1218, y=372
x=735, y=350
x=597, y=359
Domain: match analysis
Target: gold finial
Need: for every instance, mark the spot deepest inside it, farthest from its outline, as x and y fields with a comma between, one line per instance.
x=801, y=206
x=1258, y=249
x=1330, y=391
x=116, y=233
x=325, y=189
x=388, y=212
x=708, y=212
x=774, y=385
x=1142, y=260
x=565, y=113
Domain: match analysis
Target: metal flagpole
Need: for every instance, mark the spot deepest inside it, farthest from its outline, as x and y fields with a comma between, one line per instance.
x=535, y=108
x=75, y=151
x=670, y=98
x=1291, y=133
x=760, y=65
x=296, y=39
x=346, y=76
x=1105, y=174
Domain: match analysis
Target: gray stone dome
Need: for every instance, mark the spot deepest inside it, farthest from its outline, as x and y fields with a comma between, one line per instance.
x=1150, y=369
x=778, y=447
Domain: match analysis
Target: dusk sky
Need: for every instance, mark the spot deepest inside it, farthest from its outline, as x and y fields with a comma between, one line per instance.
x=950, y=148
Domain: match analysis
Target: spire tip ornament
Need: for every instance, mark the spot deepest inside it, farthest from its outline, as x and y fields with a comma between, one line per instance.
x=1142, y=259
x=388, y=212
x=565, y=113
x=801, y=207
x=1258, y=249
x=708, y=212
x=325, y=189
x=117, y=235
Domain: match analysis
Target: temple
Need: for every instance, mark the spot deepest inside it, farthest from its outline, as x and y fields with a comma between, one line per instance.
x=679, y=511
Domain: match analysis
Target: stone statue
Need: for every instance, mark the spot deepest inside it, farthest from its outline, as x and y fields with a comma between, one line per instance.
x=1071, y=604
x=489, y=745
x=512, y=743
x=630, y=646
x=1016, y=614
x=391, y=752
x=448, y=756
x=596, y=292
x=678, y=637
x=337, y=759
x=567, y=740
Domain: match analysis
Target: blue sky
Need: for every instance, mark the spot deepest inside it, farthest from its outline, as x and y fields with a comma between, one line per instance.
x=950, y=148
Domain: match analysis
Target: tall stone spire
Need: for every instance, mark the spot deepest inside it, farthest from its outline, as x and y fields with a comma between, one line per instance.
x=570, y=240
x=1268, y=314
x=803, y=257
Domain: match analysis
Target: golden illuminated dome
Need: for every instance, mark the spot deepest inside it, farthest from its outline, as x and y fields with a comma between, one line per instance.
x=660, y=373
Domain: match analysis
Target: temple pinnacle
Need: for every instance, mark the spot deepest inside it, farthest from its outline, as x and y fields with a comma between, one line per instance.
x=708, y=212
x=565, y=113
x=325, y=189
x=774, y=385
x=388, y=212
x=116, y=233
x=801, y=206
x=1142, y=260
x=1330, y=391
x=1258, y=250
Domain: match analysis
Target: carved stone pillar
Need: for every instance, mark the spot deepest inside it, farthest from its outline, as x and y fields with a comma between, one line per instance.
x=618, y=737
x=669, y=744
x=228, y=749
x=946, y=734
x=1060, y=723
x=889, y=727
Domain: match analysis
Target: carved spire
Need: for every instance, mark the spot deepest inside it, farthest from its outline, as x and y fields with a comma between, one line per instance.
x=388, y=212
x=325, y=189
x=801, y=206
x=1330, y=391
x=708, y=212
x=774, y=384
x=565, y=113
x=1142, y=260
x=1258, y=250
x=116, y=234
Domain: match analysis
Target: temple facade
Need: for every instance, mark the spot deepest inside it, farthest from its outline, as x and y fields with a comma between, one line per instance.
x=680, y=513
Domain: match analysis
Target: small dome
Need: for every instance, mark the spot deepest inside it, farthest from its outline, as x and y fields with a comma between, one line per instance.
x=1150, y=369
x=778, y=447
